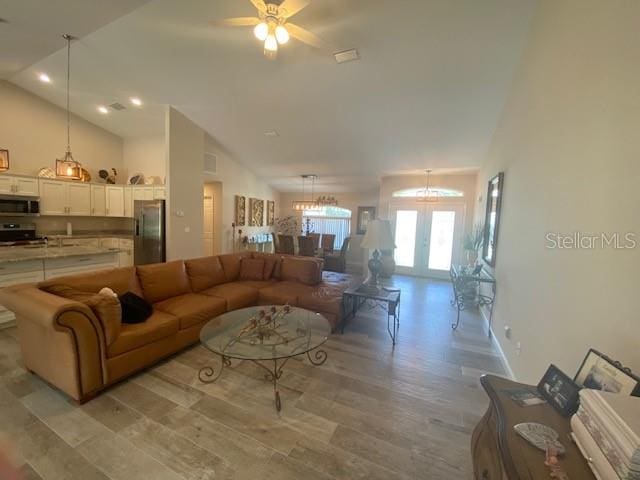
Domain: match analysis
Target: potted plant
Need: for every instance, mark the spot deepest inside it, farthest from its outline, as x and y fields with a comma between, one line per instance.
x=472, y=242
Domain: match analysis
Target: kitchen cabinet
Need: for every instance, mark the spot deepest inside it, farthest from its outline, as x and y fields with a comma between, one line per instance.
x=98, y=201
x=125, y=256
x=24, y=186
x=142, y=193
x=78, y=199
x=53, y=197
x=128, y=202
x=159, y=193
x=114, y=201
x=58, y=267
x=14, y=274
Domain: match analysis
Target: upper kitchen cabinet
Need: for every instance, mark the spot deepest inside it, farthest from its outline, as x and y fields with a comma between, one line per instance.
x=23, y=186
x=143, y=193
x=64, y=198
x=115, y=201
x=128, y=202
x=98, y=201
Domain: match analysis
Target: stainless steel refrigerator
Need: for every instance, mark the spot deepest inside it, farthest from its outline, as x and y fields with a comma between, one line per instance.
x=149, y=232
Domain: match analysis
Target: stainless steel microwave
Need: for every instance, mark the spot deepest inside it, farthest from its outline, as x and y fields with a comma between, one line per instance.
x=16, y=206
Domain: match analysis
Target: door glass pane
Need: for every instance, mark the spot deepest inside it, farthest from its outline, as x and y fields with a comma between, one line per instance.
x=441, y=244
x=406, y=224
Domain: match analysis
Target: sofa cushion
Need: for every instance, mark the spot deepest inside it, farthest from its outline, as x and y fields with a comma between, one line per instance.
x=158, y=326
x=251, y=269
x=236, y=295
x=231, y=264
x=270, y=261
x=106, y=308
x=204, y=273
x=303, y=270
x=120, y=280
x=281, y=293
x=257, y=284
x=163, y=280
x=192, y=308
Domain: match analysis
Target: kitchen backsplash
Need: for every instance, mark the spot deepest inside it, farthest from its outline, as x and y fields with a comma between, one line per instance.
x=58, y=225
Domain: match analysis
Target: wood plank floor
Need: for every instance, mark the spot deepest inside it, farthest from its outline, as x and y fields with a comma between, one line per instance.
x=371, y=412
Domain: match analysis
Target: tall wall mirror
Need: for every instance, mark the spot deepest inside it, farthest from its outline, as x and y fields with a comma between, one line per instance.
x=492, y=218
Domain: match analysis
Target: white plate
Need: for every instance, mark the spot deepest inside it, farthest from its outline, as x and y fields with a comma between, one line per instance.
x=539, y=436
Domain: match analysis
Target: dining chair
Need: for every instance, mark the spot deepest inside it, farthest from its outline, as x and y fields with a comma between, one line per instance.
x=306, y=247
x=337, y=262
x=316, y=240
x=328, y=239
x=286, y=244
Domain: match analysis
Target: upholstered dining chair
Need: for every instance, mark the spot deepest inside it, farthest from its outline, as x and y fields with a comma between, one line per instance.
x=306, y=246
x=276, y=244
x=337, y=262
x=328, y=239
x=316, y=240
x=286, y=244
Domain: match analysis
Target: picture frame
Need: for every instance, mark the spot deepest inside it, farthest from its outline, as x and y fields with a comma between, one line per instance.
x=271, y=212
x=365, y=215
x=560, y=391
x=256, y=212
x=241, y=211
x=495, y=189
x=600, y=372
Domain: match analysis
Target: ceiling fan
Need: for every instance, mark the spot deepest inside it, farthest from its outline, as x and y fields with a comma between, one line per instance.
x=271, y=26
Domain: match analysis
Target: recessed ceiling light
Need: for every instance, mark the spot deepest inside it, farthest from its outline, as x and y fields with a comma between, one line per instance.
x=346, y=56
x=103, y=110
x=44, y=78
x=271, y=133
x=136, y=101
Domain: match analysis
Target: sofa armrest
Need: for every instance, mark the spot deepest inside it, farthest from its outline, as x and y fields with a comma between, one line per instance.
x=61, y=340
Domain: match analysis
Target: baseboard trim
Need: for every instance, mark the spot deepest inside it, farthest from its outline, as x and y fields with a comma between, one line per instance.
x=494, y=338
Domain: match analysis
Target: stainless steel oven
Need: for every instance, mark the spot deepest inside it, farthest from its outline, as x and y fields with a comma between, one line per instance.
x=15, y=206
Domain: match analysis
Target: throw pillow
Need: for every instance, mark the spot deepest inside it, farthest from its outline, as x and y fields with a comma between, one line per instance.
x=251, y=269
x=269, y=267
x=105, y=308
x=135, y=309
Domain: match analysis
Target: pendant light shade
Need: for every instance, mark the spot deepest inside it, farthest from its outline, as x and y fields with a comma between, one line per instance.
x=67, y=166
x=428, y=195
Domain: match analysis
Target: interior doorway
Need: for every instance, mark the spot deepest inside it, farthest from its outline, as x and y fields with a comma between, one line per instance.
x=428, y=238
x=211, y=218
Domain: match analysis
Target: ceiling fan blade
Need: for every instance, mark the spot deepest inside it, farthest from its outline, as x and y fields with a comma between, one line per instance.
x=306, y=36
x=259, y=4
x=289, y=8
x=236, y=22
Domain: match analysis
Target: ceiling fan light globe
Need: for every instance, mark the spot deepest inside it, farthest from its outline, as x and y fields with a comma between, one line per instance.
x=282, y=35
x=261, y=31
x=270, y=43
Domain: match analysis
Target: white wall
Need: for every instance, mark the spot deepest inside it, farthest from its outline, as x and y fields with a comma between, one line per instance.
x=146, y=155
x=35, y=132
x=569, y=145
x=236, y=179
x=184, y=166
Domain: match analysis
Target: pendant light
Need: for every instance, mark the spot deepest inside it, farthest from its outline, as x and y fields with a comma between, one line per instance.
x=67, y=167
x=428, y=196
x=302, y=205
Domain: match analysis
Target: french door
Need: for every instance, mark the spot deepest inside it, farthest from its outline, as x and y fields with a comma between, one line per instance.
x=428, y=238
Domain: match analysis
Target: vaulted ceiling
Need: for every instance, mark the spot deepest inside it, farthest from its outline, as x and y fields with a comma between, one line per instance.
x=426, y=93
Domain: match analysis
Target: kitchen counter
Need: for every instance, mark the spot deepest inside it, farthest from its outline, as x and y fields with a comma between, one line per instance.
x=27, y=252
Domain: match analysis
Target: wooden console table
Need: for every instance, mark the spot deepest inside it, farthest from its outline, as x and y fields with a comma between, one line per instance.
x=501, y=454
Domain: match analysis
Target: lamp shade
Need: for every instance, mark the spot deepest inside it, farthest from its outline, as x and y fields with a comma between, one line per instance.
x=378, y=236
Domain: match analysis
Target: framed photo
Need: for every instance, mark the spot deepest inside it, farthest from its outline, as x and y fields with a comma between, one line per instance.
x=560, y=391
x=271, y=212
x=256, y=212
x=492, y=218
x=241, y=211
x=365, y=215
x=599, y=372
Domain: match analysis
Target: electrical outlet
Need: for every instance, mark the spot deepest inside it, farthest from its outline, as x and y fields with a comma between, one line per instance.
x=518, y=349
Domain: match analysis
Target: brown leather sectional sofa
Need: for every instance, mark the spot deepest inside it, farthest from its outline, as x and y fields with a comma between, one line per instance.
x=81, y=353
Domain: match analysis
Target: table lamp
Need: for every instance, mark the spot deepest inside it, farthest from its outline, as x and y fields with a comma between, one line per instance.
x=378, y=237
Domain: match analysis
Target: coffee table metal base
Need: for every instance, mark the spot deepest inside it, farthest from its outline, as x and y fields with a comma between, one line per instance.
x=273, y=373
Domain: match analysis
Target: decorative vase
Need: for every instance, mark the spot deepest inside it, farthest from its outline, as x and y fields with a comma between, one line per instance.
x=472, y=257
x=388, y=264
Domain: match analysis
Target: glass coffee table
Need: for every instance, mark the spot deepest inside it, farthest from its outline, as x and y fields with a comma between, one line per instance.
x=270, y=334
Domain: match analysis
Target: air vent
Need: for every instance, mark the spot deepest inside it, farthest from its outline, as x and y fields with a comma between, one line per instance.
x=346, y=56
x=117, y=106
x=210, y=163
x=271, y=133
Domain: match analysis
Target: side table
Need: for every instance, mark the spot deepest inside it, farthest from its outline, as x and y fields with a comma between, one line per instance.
x=389, y=298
